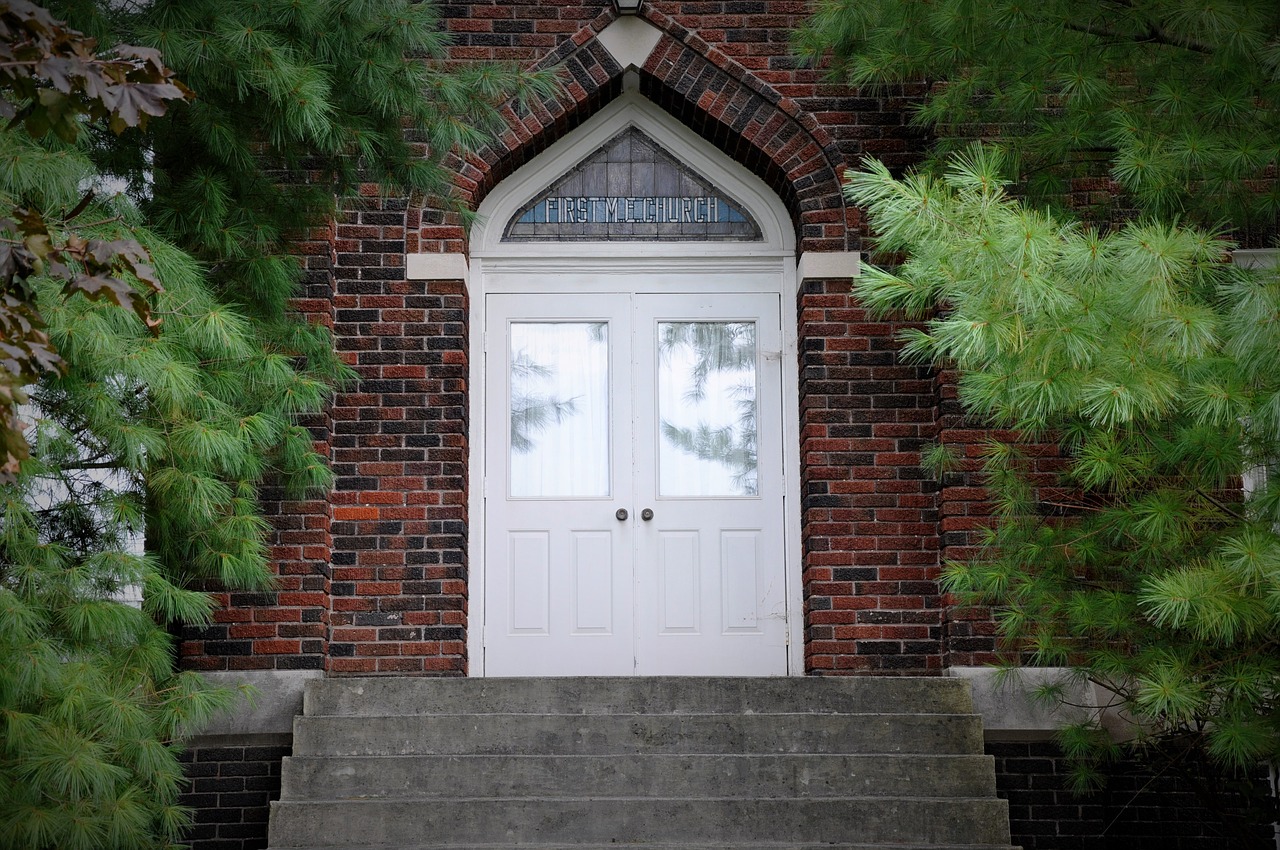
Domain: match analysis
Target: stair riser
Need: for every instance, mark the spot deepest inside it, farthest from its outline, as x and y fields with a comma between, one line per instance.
x=606, y=735
x=654, y=764
x=367, y=697
x=339, y=824
x=737, y=845
x=420, y=777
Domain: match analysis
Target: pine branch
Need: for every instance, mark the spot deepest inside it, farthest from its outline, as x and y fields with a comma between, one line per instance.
x=1219, y=504
x=1154, y=34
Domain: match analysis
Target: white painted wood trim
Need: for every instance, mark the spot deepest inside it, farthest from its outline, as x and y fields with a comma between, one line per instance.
x=476, y=481
x=573, y=275
x=435, y=267
x=775, y=276
x=793, y=554
x=827, y=266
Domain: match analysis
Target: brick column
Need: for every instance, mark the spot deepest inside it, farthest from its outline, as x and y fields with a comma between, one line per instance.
x=870, y=516
x=400, y=456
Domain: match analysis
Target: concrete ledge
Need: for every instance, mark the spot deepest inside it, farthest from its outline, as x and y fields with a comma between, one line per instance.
x=1256, y=258
x=833, y=264
x=278, y=699
x=1011, y=712
x=435, y=266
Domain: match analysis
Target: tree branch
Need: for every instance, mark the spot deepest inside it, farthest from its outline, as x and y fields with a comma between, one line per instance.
x=106, y=464
x=1155, y=35
x=1219, y=504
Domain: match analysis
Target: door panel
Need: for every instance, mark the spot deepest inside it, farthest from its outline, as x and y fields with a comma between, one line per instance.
x=680, y=576
x=740, y=581
x=555, y=458
x=529, y=592
x=592, y=582
x=709, y=465
x=665, y=405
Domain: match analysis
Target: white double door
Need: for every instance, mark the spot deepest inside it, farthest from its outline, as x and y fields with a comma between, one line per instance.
x=634, y=494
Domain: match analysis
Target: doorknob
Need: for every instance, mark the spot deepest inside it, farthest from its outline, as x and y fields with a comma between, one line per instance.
x=646, y=514
x=621, y=514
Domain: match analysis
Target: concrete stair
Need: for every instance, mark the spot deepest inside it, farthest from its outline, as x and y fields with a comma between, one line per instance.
x=649, y=763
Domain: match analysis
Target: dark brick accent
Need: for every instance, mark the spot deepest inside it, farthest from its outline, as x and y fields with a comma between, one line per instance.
x=231, y=789
x=1136, y=811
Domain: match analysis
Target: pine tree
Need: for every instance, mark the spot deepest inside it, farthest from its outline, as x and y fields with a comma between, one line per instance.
x=51, y=80
x=1156, y=367
x=1135, y=345
x=1177, y=101
x=170, y=428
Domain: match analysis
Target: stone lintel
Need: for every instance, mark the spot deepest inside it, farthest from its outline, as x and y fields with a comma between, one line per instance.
x=829, y=265
x=436, y=266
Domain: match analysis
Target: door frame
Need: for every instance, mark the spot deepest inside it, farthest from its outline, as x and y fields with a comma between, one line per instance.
x=768, y=265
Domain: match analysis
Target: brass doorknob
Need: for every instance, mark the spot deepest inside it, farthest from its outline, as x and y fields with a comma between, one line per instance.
x=621, y=514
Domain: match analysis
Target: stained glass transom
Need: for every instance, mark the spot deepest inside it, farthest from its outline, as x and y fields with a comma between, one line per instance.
x=631, y=190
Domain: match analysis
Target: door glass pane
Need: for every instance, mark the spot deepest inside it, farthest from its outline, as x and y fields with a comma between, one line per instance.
x=559, y=406
x=707, y=408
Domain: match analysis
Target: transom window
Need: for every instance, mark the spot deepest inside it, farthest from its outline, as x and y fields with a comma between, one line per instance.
x=631, y=190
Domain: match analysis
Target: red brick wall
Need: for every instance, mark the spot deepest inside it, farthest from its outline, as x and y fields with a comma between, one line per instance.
x=726, y=71
x=381, y=567
x=970, y=635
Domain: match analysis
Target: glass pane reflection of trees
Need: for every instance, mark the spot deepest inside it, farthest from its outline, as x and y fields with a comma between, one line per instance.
x=559, y=408
x=707, y=408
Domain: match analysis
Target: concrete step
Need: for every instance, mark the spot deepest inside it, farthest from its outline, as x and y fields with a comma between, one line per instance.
x=574, y=822
x=744, y=776
x=576, y=734
x=637, y=695
x=653, y=764
x=753, y=845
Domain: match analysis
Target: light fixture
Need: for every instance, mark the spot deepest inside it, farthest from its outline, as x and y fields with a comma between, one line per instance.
x=627, y=7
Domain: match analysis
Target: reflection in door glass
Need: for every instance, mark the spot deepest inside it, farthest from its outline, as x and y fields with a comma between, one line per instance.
x=707, y=408
x=559, y=409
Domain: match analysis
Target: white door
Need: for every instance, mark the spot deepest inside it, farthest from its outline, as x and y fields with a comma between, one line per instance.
x=633, y=489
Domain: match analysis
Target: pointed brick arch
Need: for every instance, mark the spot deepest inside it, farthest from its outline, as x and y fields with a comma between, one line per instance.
x=755, y=127
x=712, y=95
